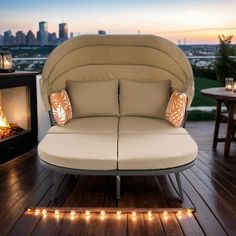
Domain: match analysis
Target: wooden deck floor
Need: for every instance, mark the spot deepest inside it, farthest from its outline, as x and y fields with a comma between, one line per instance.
x=210, y=186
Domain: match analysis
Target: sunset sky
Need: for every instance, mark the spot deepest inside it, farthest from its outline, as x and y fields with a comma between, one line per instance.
x=199, y=21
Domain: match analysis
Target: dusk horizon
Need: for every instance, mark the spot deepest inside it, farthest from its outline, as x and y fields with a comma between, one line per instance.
x=197, y=23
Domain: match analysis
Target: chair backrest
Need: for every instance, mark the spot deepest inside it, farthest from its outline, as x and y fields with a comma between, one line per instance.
x=104, y=57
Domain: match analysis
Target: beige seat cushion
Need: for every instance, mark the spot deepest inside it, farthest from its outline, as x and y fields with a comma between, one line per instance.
x=93, y=98
x=147, y=99
x=88, y=125
x=143, y=125
x=151, y=151
x=80, y=151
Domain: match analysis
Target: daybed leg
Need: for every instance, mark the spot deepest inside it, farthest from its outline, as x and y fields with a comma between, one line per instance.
x=117, y=187
x=177, y=176
x=56, y=181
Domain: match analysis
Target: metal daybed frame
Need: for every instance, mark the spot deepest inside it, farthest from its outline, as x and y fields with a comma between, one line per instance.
x=58, y=171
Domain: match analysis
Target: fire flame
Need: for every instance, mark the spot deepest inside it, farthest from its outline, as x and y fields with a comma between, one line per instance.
x=3, y=120
x=8, y=129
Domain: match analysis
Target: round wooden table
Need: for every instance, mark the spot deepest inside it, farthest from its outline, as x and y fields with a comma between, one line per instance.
x=229, y=99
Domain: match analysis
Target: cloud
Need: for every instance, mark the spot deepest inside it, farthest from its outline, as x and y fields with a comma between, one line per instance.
x=198, y=30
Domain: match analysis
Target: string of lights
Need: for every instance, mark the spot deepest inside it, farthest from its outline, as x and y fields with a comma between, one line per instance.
x=88, y=212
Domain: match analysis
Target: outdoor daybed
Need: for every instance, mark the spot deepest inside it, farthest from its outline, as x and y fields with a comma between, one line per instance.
x=119, y=87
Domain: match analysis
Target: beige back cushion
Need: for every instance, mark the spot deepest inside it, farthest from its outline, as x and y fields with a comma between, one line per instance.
x=147, y=99
x=93, y=98
x=109, y=57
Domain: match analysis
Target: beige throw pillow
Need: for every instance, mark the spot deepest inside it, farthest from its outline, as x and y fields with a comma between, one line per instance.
x=146, y=99
x=93, y=98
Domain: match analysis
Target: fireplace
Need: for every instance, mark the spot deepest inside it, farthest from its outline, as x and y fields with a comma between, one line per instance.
x=18, y=114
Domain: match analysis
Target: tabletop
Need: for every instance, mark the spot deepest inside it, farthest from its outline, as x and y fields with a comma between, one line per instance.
x=219, y=93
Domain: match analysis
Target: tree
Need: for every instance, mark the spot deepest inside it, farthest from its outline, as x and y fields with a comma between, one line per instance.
x=225, y=66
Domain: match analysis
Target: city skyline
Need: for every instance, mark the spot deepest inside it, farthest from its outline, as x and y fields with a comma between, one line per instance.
x=197, y=22
x=42, y=37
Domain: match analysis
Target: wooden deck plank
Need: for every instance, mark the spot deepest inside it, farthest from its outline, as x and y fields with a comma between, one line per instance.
x=141, y=192
x=220, y=179
x=224, y=165
x=203, y=215
x=77, y=226
x=14, y=192
x=19, y=173
x=25, y=224
x=171, y=226
x=90, y=191
x=17, y=194
x=30, y=199
x=13, y=179
x=188, y=223
x=29, y=225
x=84, y=226
x=80, y=225
x=217, y=205
x=142, y=225
x=48, y=225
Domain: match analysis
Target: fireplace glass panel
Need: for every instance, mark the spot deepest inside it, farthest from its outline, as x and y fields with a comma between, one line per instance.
x=15, y=104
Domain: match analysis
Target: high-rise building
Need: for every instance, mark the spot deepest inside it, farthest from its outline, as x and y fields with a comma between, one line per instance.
x=20, y=38
x=8, y=38
x=38, y=37
x=63, y=32
x=30, y=38
x=43, y=33
x=1, y=39
x=8, y=33
x=185, y=41
x=52, y=38
x=101, y=32
x=71, y=35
